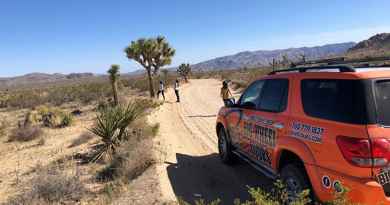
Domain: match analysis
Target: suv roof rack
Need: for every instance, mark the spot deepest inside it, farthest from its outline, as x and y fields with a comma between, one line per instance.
x=341, y=68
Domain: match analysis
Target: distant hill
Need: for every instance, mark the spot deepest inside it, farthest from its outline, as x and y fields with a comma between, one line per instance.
x=41, y=79
x=378, y=45
x=264, y=57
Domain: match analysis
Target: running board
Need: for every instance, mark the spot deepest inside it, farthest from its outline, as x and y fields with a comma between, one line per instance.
x=263, y=169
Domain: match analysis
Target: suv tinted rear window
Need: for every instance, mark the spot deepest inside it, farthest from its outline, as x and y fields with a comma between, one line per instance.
x=336, y=100
x=382, y=95
x=274, y=95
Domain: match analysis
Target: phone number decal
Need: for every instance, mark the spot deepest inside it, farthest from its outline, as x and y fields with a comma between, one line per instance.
x=307, y=132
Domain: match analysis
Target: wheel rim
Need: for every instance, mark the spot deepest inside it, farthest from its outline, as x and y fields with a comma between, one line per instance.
x=293, y=188
x=222, y=145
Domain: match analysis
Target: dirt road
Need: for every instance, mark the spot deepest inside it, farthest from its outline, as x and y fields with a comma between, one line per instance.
x=190, y=167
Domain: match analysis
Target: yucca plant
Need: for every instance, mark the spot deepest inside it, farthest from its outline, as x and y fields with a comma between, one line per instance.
x=112, y=126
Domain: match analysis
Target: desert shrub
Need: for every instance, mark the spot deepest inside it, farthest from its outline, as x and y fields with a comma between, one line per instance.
x=82, y=139
x=31, y=118
x=239, y=84
x=67, y=120
x=25, y=99
x=3, y=127
x=201, y=202
x=131, y=160
x=278, y=196
x=41, y=141
x=25, y=133
x=85, y=92
x=154, y=129
x=54, y=117
x=51, y=186
x=112, y=126
x=42, y=109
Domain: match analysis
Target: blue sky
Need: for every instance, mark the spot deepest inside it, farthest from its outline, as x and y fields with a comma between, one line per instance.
x=89, y=35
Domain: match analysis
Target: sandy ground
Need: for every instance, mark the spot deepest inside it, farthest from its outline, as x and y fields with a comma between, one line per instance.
x=190, y=167
x=20, y=160
x=187, y=166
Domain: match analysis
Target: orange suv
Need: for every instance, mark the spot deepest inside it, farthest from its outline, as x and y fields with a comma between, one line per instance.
x=317, y=128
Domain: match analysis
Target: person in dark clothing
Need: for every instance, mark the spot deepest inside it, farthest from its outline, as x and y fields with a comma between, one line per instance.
x=161, y=90
x=176, y=87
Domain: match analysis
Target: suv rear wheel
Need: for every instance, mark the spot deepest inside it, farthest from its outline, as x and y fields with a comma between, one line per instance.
x=224, y=147
x=295, y=180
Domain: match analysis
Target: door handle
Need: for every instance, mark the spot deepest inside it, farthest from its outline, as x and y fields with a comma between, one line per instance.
x=278, y=125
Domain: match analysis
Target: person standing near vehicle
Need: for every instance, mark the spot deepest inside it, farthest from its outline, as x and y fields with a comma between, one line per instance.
x=176, y=87
x=161, y=90
x=226, y=95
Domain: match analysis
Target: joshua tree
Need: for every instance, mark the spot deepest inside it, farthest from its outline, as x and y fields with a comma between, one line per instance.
x=114, y=76
x=285, y=60
x=184, y=70
x=273, y=64
x=303, y=58
x=152, y=54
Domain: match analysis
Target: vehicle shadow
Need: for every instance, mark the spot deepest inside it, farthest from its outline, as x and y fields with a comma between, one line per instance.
x=201, y=116
x=206, y=177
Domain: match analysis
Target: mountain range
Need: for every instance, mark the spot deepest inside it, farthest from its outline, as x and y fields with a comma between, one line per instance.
x=377, y=45
x=263, y=58
x=41, y=79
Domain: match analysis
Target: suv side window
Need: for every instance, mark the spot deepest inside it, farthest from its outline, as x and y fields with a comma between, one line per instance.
x=274, y=95
x=334, y=99
x=251, y=95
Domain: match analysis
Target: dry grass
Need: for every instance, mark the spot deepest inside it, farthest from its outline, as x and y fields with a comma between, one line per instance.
x=25, y=133
x=130, y=161
x=3, y=127
x=52, y=186
x=134, y=155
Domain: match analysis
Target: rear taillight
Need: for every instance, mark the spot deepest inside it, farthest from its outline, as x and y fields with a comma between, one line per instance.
x=365, y=152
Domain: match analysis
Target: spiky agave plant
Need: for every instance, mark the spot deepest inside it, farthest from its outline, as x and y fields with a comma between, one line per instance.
x=112, y=126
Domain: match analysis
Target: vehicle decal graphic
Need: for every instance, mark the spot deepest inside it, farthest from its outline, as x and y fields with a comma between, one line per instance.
x=259, y=134
x=258, y=139
x=326, y=182
x=261, y=154
x=307, y=132
x=337, y=186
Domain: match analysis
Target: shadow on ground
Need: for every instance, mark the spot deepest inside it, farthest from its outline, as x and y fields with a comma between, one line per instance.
x=205, y=177
x=201, y=116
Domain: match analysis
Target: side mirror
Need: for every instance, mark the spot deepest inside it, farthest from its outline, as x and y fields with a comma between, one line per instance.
x=231, y=103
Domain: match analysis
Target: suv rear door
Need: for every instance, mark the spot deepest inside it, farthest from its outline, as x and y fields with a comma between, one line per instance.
x=379, y=129
x=328, y=115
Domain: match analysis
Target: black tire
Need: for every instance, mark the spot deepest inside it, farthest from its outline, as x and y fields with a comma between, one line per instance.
x=224, y=147
x=295, y=180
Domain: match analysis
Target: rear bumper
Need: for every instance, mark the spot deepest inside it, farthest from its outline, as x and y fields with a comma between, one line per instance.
x=362, y=191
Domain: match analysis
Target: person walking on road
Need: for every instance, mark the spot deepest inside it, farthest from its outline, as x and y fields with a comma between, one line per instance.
x=161, y=90
x=226, y=95
x=176, y=87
